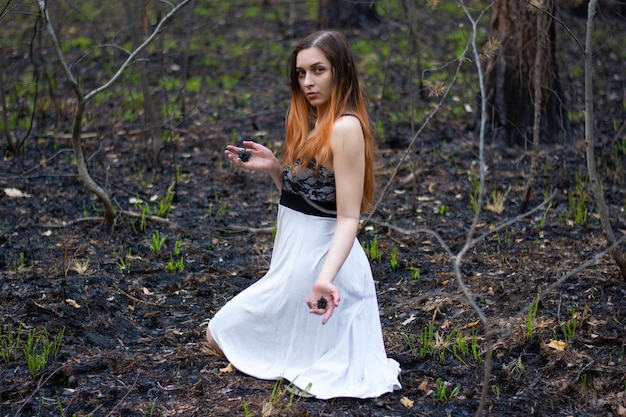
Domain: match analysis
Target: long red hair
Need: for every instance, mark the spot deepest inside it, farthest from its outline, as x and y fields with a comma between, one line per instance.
x=306, y=145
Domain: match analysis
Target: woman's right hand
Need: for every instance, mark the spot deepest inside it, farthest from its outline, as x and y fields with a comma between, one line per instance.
x=259, y=158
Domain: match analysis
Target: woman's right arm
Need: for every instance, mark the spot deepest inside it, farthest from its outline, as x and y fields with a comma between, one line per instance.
x=260, y=159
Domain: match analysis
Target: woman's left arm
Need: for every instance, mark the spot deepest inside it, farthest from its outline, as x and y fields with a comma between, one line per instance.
x=348, y=153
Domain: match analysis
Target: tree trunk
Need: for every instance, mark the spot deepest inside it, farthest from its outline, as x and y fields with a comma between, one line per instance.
x=543, y=23
x=510, y=78
x=81, y=164
x=11, y=145
x=343, y=14
x=596, y=184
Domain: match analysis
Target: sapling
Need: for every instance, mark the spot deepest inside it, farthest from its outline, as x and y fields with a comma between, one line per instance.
x=395, y=264
x=157, y=241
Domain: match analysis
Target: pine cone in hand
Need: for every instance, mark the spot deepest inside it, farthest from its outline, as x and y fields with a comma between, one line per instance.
x=244, y=155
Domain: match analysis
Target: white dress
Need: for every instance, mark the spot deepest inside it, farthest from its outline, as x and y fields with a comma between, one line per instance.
x=266, y=331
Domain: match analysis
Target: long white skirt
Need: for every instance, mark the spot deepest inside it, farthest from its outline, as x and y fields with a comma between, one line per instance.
x=266, y=331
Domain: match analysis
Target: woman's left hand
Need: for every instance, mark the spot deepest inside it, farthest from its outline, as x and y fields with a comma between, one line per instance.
x=325, y=297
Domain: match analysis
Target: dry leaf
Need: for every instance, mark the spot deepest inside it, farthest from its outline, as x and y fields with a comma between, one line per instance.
x=409, y=320
x=557, y=345
x=228, y=369
x=147, y=291
x=473, y=324
x=135, y=200
x=267, y=410
x=406, y=402
x=423, y=385
x=15, y=193
x=81, y=267
x=72, y=303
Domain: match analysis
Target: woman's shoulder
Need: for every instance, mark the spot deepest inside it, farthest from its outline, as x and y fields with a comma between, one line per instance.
x=347, y=127
x=348, y=120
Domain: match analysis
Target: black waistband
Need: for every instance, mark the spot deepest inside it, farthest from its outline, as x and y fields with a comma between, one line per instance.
x=306, y=206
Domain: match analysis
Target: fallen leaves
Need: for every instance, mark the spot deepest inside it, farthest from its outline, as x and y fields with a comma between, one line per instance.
x=72, y=303
x=15, y=193
x=406, y=402
x=473, y=324
x=409, y=320
x=228, y=369
x=557, y=345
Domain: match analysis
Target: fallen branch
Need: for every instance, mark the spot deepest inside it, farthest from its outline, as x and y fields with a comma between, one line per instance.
x=235, y=228
x=127, y=213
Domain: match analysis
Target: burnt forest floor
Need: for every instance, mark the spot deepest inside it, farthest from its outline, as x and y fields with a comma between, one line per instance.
x=133, y=322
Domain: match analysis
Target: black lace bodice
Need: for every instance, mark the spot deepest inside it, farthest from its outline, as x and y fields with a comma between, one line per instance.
x=308, y=192
x=304, y=182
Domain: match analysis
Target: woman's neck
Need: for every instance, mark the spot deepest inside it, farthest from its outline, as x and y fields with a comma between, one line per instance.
x=321, y=112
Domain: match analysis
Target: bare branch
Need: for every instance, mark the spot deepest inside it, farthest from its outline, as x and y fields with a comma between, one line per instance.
x=481, y=194
x=559, y=21
x=138, y=50
x=408, y=149
x=57, y=49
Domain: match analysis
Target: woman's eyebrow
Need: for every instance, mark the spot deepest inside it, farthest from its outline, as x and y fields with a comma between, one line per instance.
x=313, y=65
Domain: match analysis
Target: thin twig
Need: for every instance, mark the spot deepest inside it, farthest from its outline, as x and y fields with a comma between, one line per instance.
x=127, y=213
x=138, y=300
x=124, y=397
x=481, y=195
x=42, y=381
x=426, y=122
x=560, y=22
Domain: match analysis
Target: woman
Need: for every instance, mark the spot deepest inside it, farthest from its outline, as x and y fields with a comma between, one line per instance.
x=326, y=181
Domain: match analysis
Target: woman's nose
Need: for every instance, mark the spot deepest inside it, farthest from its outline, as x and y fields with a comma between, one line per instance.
x=308, y=79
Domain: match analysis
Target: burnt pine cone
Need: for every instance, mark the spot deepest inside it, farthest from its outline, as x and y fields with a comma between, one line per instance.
x=321, y=303
x=244, y=155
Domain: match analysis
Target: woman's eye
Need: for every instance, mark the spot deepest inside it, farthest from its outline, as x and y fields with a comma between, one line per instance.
x=300, y=73
x=319, y=70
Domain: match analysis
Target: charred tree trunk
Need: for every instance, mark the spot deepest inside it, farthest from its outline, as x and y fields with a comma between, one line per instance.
x=342, y=14
x=510, y=78
x=11, y=145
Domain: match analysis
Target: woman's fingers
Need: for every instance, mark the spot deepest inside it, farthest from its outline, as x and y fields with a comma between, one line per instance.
x=252, y=155
x=238, y=155
x=329, y=312
x=323, y=305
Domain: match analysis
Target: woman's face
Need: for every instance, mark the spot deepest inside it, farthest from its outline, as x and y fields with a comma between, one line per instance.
x=315, y=77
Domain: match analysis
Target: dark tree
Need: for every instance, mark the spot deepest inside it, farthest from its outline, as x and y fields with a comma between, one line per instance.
x=342, y=14
x=510, y=74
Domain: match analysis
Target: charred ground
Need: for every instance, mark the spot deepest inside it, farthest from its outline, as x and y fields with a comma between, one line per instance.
x=133, y=330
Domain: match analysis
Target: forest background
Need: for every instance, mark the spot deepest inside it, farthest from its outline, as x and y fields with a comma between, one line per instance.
x=123, y=227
